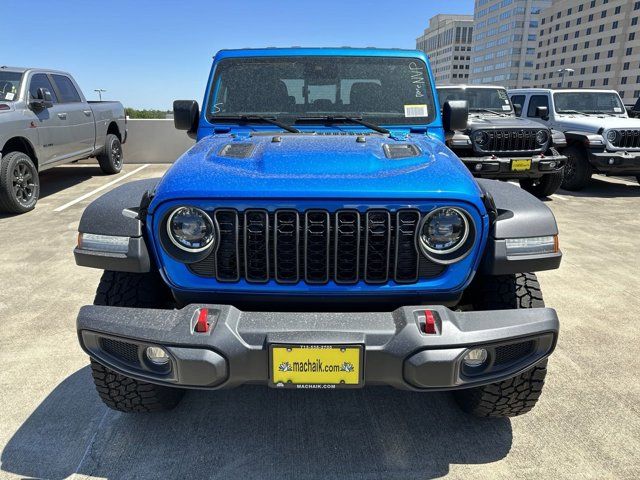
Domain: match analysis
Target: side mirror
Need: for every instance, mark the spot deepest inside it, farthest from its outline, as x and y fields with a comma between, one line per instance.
x=517, y=108
x=43, y=100
x=186, y=116
x=455, y=115
x=542, y=112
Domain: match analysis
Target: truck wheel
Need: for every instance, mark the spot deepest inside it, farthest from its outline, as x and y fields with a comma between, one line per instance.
x=19, y=183
x=117, y=391
x=577, y=171
x=544, y=186
x=111, y=159
x=519, y=394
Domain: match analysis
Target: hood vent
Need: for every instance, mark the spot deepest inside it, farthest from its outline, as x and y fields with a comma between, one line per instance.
x=237, y=150
x=398, y=151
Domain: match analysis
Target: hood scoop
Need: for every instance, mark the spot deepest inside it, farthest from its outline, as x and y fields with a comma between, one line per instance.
x=237, y=150
x=397, y=151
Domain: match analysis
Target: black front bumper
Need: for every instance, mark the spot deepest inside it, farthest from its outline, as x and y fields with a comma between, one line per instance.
x=397, y=351
x=492, y=166
x=615, y=163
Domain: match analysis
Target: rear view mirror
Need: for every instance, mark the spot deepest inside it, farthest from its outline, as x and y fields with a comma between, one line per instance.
x=42, y=101
x=542, y=112
x=455, y=115
x=186, y=116
x=517, y=108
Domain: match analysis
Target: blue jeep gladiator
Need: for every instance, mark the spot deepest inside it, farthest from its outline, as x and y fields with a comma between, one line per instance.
x=319, y=234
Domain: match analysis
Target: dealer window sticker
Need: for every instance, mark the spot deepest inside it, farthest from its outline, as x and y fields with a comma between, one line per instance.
x=9, y=96
x=412, y=111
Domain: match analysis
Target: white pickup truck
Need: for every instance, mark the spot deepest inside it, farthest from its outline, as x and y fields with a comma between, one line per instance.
x=45, y=121
x=601, y=138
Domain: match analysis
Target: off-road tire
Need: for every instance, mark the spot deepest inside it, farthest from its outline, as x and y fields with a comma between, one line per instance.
x=519, y=394
x=577, y=171
x=19, y=183
x=119, y=392
x=544, y=186
x=111, y=159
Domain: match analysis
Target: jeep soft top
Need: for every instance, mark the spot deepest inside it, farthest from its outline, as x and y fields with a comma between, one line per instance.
x=499, y=144
x=319, y=234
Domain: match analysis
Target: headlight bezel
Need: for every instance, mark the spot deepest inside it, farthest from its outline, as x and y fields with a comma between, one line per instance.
x=615, y=136
x=547, y=136
x=178, y=251
x=483, y=135
x=457, y=252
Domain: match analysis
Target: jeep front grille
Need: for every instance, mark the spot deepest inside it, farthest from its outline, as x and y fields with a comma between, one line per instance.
x=520, y=140
x=316, y=246
x=627, y=139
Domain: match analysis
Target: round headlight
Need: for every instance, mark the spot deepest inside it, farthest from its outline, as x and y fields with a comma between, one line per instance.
x=480, y=138
x=612, y=135
x=443, y=232
x=190, y=229
x=542, y=137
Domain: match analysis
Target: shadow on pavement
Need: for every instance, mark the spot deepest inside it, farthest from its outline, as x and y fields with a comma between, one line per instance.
x=603, y=189
x=254, y=432
x=60, y=178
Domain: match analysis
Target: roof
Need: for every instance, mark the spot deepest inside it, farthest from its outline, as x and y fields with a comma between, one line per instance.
x=4, y=68
x=556, y=90
x=469, y=86
x=328, y=51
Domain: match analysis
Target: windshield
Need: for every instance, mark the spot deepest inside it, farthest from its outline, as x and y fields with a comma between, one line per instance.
x=588, y=102
x=480, y=99
x=385, y=90
x=9, y=85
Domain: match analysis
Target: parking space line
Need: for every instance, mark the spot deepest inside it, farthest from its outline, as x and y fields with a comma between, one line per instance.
x=99, y=189
x=617, y=180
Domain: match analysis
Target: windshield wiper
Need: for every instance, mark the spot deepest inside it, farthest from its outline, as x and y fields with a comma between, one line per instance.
x=357, y=120
x=487, y=110
x=257, y=118
x=574, y=112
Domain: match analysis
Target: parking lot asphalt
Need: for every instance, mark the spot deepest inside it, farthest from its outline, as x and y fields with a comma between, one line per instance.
x=52, y=424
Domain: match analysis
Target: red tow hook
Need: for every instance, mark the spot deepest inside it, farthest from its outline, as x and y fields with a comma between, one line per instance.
x=202, y=326
x=429, y=322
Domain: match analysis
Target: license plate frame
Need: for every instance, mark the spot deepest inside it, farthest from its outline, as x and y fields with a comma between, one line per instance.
x=520, y=164
x=353, y=353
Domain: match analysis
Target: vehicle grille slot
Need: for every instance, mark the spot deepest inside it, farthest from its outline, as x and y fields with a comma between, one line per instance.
x=256, y=245
x=406, y=268
x=513, y=352
x=287, y=246
x=377, y=246
x=316, y=243
x=347, y=246
x=227, y=254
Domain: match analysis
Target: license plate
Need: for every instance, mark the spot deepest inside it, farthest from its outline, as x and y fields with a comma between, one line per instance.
x=316, y=366
x=520, y=164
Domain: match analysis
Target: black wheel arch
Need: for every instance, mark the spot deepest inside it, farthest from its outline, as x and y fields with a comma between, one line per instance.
x=21, y=144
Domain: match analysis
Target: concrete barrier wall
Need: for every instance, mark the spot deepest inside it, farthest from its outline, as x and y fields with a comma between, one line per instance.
x=154, y=141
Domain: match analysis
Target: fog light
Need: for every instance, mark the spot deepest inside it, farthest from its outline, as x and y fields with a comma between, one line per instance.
x=552, y=165
x=611, y=161
x=478, y=167
x=475, y=357
x=157, y=355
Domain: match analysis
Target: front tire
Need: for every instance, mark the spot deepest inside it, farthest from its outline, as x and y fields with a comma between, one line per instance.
x=519, y=394
x=577, y=171
x=19, y=183
x=544, y=186
x=111, y=159
x=119, y=392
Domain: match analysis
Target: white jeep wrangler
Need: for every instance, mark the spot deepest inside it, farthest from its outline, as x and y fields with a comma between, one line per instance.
x=601, y=138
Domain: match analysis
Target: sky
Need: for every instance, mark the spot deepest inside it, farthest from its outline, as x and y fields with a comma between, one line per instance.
x=148, y=53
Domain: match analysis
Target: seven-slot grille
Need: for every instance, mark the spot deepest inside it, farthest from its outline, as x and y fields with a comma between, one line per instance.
x=627, y=139
x=520, y=140
x=316, y=246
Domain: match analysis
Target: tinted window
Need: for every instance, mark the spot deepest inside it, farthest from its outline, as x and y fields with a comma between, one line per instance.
x=40, y=80
x=67, y=90
x=519, y=100
x=386, y=90
x=535, y=102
